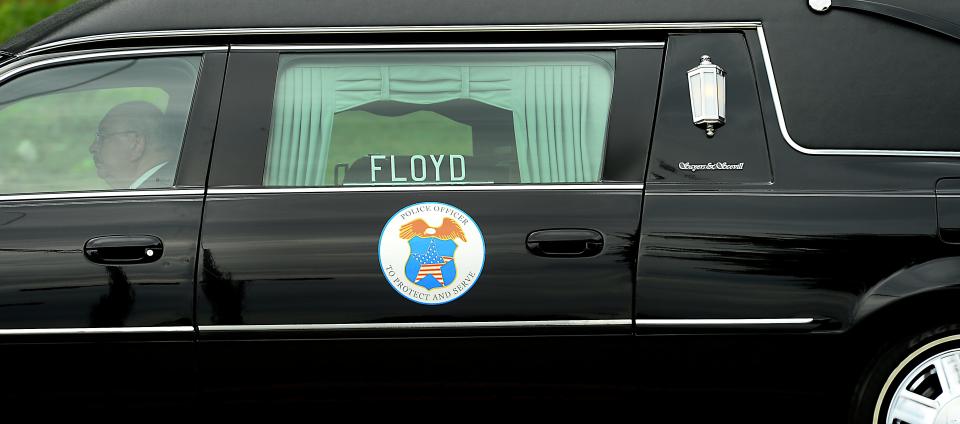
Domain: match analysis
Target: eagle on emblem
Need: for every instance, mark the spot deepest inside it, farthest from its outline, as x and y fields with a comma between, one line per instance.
x=431, y=251
x=448, y=230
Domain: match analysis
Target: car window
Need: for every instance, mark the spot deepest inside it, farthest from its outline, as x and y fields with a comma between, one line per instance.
x=439, y=118
x=115, y=124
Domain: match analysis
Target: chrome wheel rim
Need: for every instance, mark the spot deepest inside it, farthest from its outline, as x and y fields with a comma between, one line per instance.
x=930, y=393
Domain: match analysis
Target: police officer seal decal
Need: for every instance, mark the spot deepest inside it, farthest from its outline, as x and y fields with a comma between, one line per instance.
x=431, y=253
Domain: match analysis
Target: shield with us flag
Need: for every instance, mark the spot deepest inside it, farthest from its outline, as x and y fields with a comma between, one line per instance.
x=431, y=263
x=431, y=253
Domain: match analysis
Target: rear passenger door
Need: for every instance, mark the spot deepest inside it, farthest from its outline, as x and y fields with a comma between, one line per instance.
x=464, y=220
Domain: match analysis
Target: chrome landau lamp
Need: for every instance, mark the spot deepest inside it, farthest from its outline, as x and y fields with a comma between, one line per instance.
x=708, y=95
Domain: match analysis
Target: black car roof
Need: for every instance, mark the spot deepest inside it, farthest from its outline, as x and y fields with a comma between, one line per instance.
x=88, y=18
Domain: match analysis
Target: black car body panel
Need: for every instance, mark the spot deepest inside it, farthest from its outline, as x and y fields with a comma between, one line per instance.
x=831, y=223
x=74, y=323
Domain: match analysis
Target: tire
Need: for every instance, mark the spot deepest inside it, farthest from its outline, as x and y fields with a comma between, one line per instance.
x=926, y=359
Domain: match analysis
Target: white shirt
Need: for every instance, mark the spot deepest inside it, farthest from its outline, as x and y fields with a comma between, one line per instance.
x=146, y=175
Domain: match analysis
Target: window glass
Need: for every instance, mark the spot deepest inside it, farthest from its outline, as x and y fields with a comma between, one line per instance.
x=440, y=118
x=115, y=124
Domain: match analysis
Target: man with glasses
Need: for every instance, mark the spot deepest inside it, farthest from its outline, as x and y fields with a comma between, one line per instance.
x=129, y=150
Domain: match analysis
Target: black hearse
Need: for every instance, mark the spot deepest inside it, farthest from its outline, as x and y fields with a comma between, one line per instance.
x=436, y=201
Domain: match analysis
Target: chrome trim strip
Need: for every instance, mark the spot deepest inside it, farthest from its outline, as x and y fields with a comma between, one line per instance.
x=734, y=322
x=421, y=325
x=782, y=194
x=100, y=194
x=115, y=53
x=510, y=324
x=376, y=189
x=445, y=46
x=407, y=326
x=856, y=152
x=97, y=330
x=392, y=29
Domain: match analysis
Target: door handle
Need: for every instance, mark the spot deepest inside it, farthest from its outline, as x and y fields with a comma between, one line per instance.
x=112, y=250
x=565, y=243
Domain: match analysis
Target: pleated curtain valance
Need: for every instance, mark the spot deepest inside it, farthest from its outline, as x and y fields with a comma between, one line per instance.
x=559, y=103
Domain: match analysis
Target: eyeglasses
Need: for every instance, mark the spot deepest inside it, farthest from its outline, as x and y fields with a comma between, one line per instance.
x=101, y=136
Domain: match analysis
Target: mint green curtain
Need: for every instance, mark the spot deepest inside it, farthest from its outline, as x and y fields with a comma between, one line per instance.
x=560, y=104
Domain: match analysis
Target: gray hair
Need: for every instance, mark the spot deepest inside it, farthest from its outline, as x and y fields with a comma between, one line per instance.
x=145, y=119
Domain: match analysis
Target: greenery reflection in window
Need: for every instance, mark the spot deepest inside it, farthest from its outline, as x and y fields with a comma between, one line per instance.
x=50, y=121
x=442, y=118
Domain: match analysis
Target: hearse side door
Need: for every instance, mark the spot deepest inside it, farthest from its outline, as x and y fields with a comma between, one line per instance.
x=462, y=221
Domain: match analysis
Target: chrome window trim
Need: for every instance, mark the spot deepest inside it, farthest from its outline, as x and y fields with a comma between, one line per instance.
x=793, y=194
x=377, y=189
x=724, y=322
x=437, y=46
x=100, y=194
x=95, y=330
x=106, y=54
x=390, y=29
x=411, y=326
x=422, y=325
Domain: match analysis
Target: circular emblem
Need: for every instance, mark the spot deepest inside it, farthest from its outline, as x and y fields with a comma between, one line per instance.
x=431, y=253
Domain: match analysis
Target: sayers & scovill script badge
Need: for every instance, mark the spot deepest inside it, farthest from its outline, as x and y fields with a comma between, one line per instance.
x=431, y=253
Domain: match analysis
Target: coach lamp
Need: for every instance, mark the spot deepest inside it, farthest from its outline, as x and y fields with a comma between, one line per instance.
x=708, y=95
